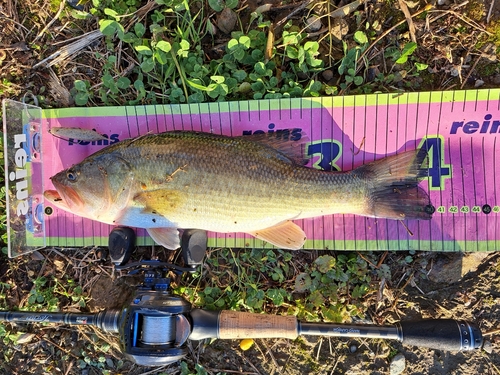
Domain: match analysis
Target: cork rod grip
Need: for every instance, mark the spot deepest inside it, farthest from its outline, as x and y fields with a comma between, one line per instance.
x=241, y=325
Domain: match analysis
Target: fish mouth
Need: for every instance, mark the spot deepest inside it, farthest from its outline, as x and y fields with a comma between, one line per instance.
x=64, y=197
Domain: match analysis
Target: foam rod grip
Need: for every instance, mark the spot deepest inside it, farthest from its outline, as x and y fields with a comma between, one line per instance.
x=442, y=334
x=242, y=325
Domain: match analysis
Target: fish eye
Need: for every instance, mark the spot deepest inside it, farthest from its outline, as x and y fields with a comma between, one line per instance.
x=71, y=175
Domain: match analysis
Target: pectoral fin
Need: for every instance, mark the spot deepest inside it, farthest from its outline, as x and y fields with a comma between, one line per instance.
x=286, y=235
x=168, y=237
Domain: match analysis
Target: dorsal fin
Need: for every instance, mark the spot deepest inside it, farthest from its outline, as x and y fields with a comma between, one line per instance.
x=285, y=142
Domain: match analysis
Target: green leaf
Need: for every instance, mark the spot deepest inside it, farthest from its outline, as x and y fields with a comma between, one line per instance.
x=108, y=27
x=164, y=46
x=111, y=13
x=303, y=282
x=184, y=45
x=358, y=80
x=325, y=263
x=245, y=41
x=144, y=50
x=107, y=80
x=139, y=85
x=292, y=52
x=311, y=47
x=217, y=5
x=239, y=54
x=139, y=29
x=421, y=66
x=161, y=57
x=260, y=69
x=80, y=14
x=240, y=75
x=277, y=296
x=218, y=79
x=316, y=298
x=231, y=4
x=334, y=313
x=123, y=82
x=80, y=85
x=360, y=37
x=197, y=86
x=232, y=44
x=81, y=98
x=147, y=65
x=408, y=49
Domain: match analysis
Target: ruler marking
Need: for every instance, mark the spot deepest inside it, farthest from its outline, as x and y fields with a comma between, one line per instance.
x=452, y=202
x=463, y=192
x=476, y=245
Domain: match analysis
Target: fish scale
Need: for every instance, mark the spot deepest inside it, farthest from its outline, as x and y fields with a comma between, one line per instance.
x=242, y=184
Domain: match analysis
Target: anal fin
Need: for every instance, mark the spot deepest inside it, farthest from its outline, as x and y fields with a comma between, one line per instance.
x=168, y=237
x=286, y=235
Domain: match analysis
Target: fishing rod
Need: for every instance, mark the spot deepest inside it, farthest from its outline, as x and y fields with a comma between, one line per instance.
x=155, y=326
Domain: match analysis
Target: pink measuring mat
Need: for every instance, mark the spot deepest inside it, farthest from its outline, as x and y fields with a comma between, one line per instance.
x=458, y=129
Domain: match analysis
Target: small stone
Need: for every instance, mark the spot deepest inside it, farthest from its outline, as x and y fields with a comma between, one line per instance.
x=340, y=28
x=398, y=364
x=327, y=74
x=452, y=267
x=313, y=23
x=487, y=347
x=496, y=79
x=227, y=20
x=478, y=83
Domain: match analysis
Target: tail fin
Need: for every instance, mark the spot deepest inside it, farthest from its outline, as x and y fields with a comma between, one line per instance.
x=394, y=192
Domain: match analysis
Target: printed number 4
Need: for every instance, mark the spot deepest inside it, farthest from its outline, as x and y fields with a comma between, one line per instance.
x=438, y=170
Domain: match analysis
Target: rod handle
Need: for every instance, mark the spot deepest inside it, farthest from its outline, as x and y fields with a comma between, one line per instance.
x=441, y=334
x=241, y=325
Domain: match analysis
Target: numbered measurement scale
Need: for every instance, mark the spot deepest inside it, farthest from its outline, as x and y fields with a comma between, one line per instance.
x=458, y=129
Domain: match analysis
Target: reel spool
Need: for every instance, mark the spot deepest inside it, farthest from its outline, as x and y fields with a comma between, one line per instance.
x=154, y=329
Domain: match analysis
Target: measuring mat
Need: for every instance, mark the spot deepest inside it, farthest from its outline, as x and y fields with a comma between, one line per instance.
x=459, y=130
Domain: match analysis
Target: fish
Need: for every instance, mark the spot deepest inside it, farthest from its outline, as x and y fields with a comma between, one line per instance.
x=86, y=135
x=255, y=184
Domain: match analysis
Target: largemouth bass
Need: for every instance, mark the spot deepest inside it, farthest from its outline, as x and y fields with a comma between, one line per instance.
x=251, y=184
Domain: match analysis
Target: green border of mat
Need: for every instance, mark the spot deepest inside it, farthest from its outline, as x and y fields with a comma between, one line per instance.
x=282, y=104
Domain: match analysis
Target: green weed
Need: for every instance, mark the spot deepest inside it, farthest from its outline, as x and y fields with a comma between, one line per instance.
x=329, y=289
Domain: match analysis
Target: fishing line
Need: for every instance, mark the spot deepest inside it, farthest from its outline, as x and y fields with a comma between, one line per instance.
x=158, y=330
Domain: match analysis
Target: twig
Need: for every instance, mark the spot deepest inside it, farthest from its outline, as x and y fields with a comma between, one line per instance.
x=319, y=348
x=61, y=8
x=70, y=49
x=154, y=371
x=232, y=371
x=411, y=26
x=494, y=332
x=59, y=347
x=68, y=369
x=489, y=12
x=470, y=71
x=468, y=21
x=293, y=12
x=14, y=22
